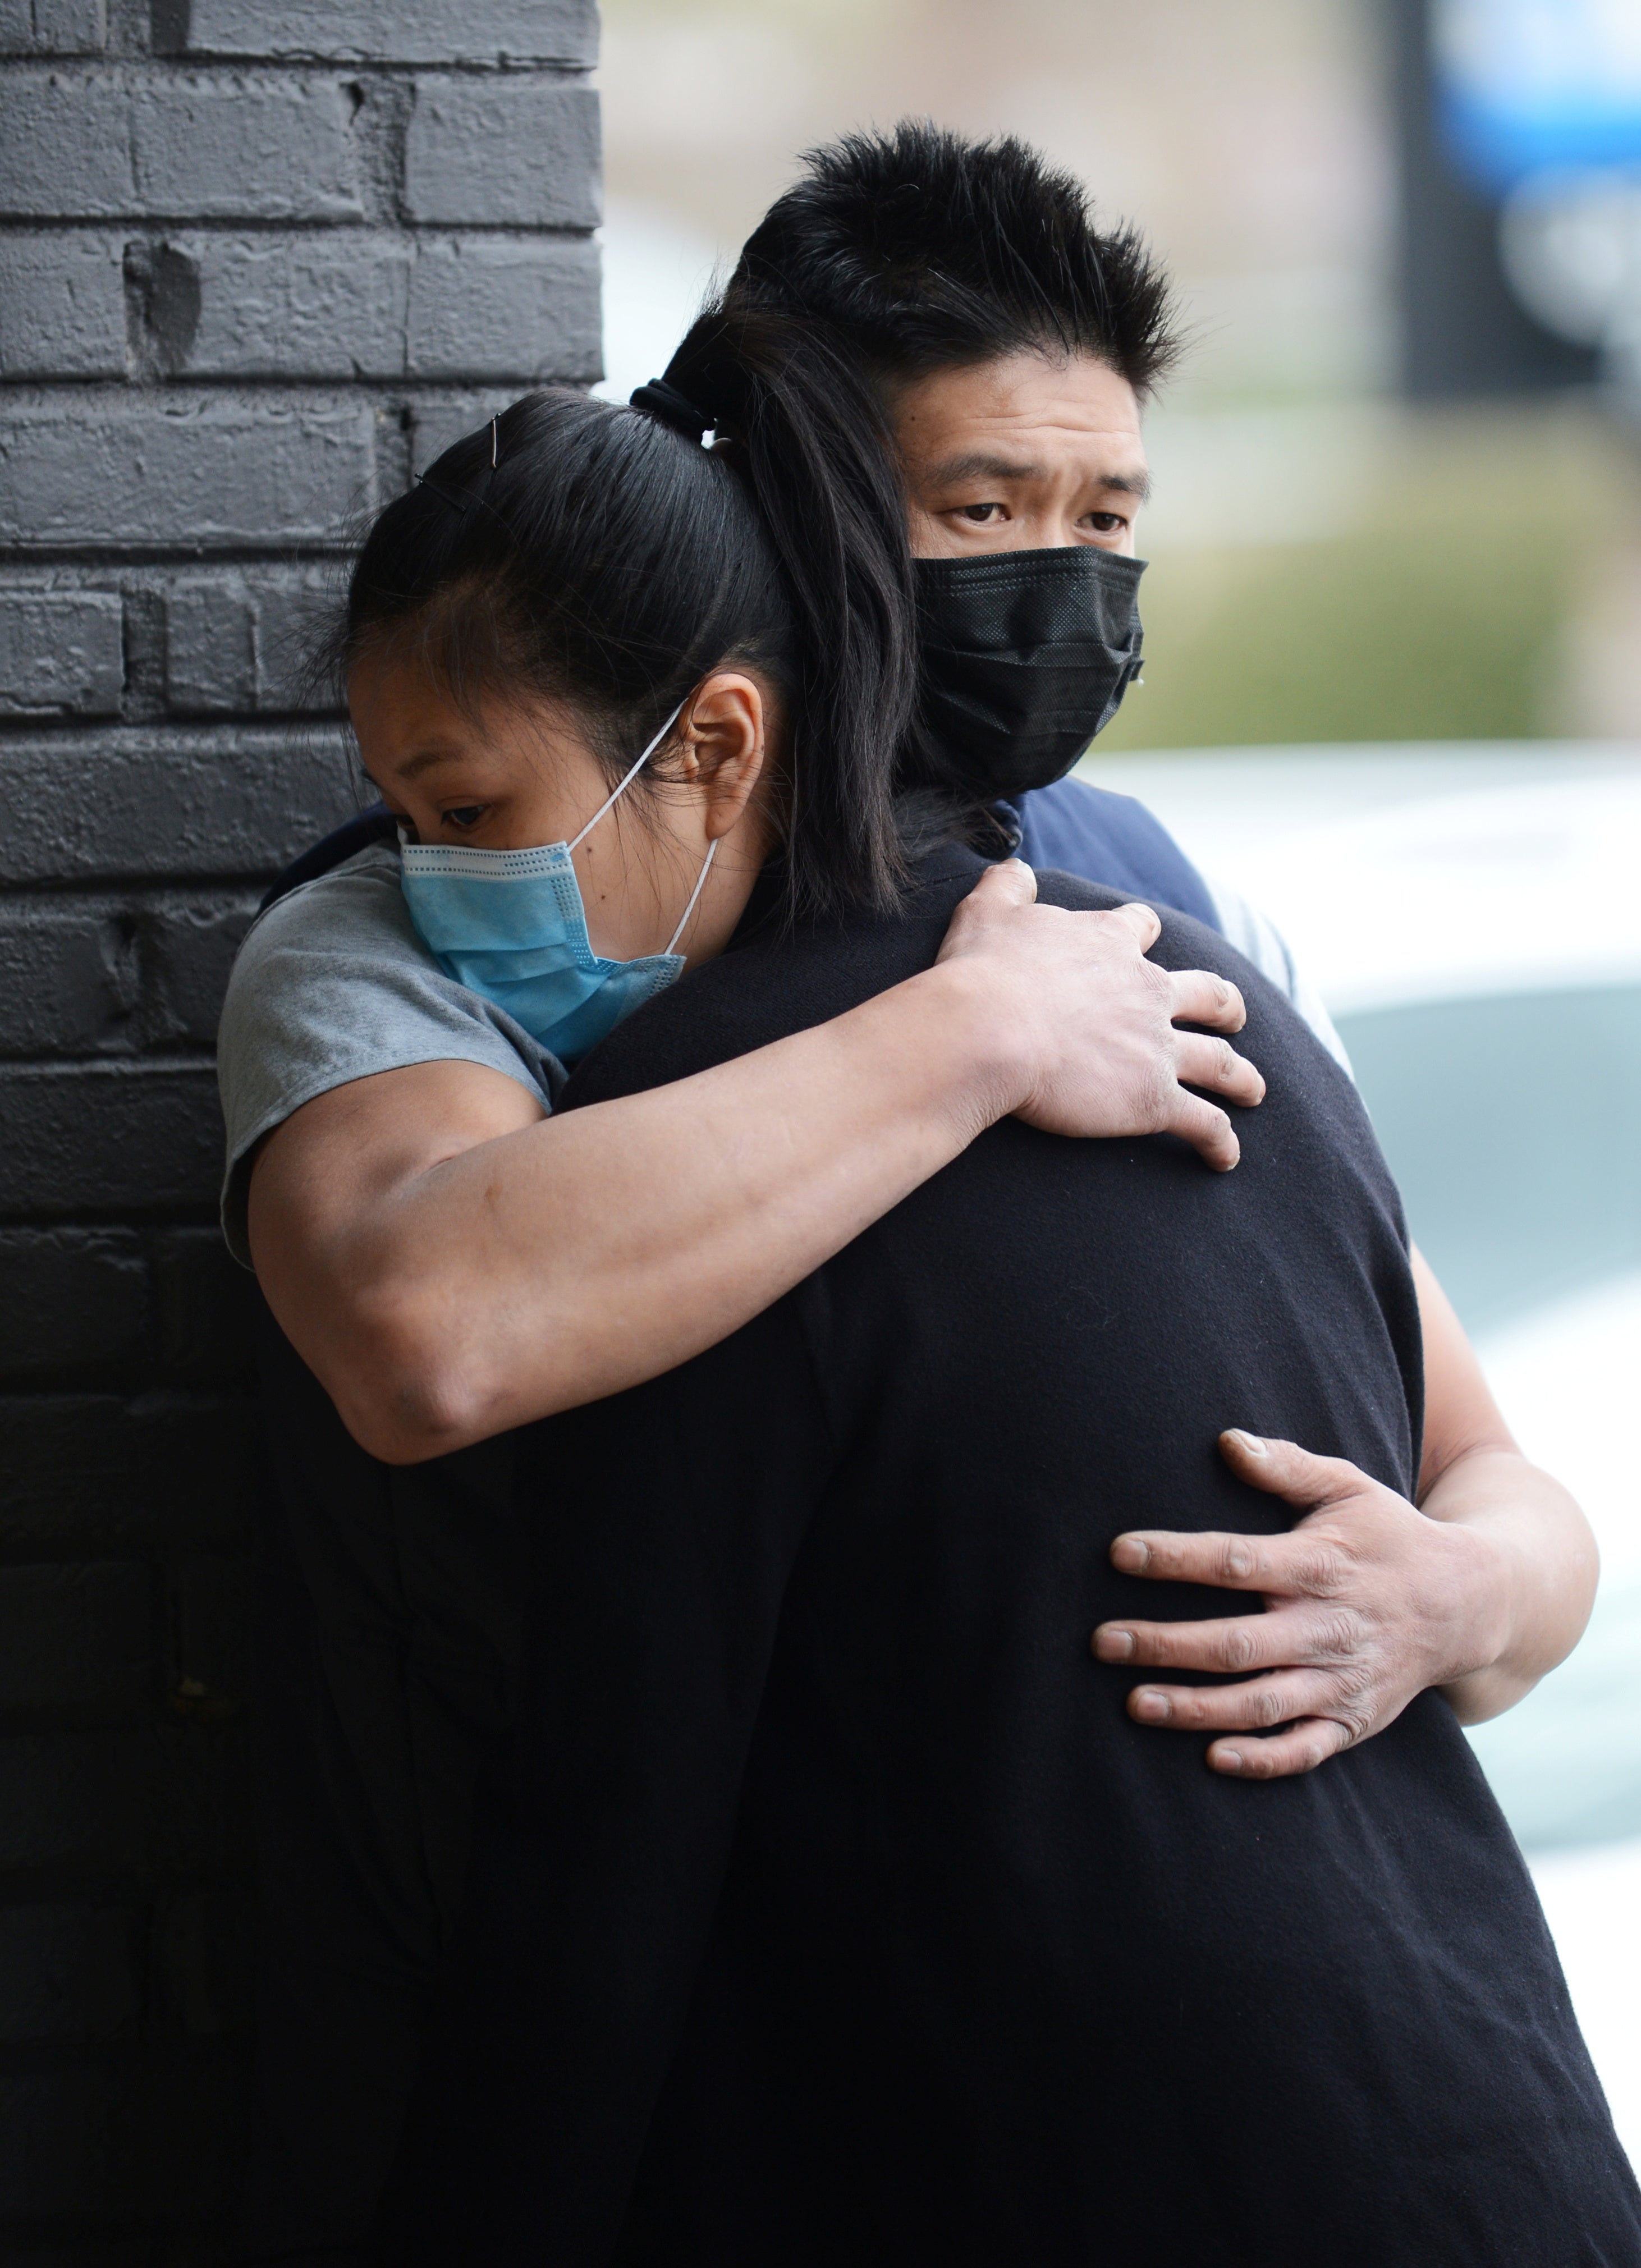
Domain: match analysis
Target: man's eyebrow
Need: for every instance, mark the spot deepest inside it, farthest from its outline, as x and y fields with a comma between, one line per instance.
x=1135, y=485
x=985, y=464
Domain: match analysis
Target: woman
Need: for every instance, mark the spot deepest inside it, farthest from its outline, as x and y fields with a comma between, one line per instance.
x=833, y=1908
x=446, y=1259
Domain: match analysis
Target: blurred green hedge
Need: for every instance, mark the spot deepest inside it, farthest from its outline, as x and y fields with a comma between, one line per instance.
x=1479, y=555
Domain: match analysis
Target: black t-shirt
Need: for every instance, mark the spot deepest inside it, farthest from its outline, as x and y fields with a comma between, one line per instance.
x=839, y=1913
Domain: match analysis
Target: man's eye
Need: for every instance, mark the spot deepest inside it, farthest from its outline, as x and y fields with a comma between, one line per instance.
x=979, y=514
x=1105, y=523
x=466, y=816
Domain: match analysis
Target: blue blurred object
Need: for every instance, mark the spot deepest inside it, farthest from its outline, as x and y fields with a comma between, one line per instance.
x=1524, y=84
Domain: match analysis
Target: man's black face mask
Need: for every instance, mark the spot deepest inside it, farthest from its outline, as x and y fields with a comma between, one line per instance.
x=1025, y=656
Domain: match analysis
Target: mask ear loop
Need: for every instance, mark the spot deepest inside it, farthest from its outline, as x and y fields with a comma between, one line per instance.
x=626, y=781
x=620, y=789
x=701, y=883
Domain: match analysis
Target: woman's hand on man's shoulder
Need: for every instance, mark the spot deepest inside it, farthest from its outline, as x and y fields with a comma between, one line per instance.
x=1085, y=1037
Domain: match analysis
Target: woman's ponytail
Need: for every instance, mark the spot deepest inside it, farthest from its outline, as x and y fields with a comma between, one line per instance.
x=808, y=436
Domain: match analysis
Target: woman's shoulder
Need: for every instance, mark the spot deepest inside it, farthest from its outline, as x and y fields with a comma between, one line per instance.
x=335, y=969
x=357, y=907
x=333, y=984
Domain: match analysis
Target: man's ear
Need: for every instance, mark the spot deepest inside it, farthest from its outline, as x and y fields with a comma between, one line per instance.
x=725, y=744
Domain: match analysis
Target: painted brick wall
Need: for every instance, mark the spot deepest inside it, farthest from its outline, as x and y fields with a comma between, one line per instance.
x=259, y=258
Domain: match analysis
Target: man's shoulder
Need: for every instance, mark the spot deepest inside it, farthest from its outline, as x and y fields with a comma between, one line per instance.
x=1112, y=838
x=781, y=980
x=777, y=978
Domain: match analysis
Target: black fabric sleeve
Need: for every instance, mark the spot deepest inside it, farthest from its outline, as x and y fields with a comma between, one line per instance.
x=664, y=1525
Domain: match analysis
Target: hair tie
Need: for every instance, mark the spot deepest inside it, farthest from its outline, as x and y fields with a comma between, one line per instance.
x=665, y=402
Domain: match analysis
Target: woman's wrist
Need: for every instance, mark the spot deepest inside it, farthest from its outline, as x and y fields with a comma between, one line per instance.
x=1486, y=1568
x=975, y=1040
x=1532, y=1571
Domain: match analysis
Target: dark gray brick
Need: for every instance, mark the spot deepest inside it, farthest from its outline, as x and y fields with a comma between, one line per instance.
x=375, y=305
x=183, y=804
x=436, y=31
x=61, y=652
x=107, y=1472
x=131, y=143
x=499, y=307
x=188, y=945
x=53, y=27
x=203, y=1301
x=134, y=1138
x=69, y=977
x=68, y=1972
x=518, y=152
x=77, y=1640
x=311, y=305
x=210, y=646
x=292, y=611
x=186, y=473
x=153, y=1802
x=61, y=307
x=242, y=641
x=71, y=1299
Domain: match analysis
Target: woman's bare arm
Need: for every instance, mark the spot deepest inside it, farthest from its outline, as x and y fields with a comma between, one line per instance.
x=1473, y=1476
x=1480, y=1591
x=451, y=1261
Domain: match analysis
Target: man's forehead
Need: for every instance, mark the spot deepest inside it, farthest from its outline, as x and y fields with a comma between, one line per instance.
x=1021, y=416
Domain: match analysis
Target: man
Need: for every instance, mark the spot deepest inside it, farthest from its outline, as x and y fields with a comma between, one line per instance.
x=1009, y=347
x=837, y=1912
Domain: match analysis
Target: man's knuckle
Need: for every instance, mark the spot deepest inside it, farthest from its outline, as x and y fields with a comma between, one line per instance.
x=1238, y=1648
x=1233, y=1559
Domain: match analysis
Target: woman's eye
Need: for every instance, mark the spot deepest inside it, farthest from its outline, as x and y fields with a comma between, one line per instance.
x=979, y=514
x=466, y=816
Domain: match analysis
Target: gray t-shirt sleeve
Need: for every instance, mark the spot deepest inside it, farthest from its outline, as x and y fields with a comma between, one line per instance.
x=331, y=984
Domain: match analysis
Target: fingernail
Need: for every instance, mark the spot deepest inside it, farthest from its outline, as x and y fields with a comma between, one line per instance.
x=1130, y=1555
x=1152, y=1708
x=1114, y=1645
x=1249, y=1444
x=1229, y=1760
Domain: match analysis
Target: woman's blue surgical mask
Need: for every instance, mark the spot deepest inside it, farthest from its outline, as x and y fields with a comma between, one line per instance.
x=512, y=925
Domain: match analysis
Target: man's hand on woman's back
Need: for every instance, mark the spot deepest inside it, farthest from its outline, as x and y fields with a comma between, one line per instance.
x=1088, y=1022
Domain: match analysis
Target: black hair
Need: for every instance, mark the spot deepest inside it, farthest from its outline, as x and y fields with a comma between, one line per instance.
x=592, y=554
x=897, y=254
x=920, y=249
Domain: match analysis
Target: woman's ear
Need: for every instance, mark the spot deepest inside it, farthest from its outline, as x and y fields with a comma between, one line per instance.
x=725, y=746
